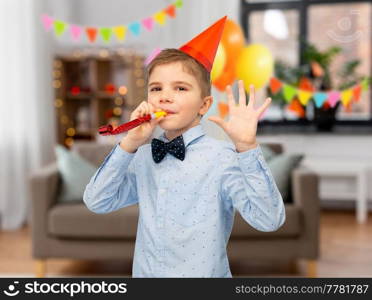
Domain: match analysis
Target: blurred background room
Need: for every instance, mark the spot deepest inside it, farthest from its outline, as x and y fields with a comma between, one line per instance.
x=68, y=67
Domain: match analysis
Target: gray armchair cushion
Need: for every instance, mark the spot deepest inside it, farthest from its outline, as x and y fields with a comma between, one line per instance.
x=281, y=167
x=268, y=152
x=75, y=174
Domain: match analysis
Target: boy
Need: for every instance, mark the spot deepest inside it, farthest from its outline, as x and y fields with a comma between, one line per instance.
x=188, y=185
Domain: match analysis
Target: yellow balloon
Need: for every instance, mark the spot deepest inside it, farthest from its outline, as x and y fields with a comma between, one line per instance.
x=254, y=66
x=219, y=62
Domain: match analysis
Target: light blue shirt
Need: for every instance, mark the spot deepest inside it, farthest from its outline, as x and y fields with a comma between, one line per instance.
x=186, y=208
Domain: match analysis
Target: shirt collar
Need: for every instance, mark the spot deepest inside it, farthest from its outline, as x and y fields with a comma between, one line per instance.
x=190, y=135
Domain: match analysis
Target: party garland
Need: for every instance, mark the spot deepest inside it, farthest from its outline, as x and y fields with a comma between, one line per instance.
x=106, y=33
x=319, y=97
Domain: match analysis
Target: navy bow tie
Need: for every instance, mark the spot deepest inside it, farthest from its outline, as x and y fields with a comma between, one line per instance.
x=176, y=147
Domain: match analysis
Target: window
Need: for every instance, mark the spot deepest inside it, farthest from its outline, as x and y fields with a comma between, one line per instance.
x=349, y=27
x=279, y=31
x=286, y=27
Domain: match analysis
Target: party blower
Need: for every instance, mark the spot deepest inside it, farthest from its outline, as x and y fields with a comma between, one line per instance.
x=108, y=129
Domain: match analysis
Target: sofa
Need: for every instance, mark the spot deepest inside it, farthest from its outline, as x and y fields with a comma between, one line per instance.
x=70, y=230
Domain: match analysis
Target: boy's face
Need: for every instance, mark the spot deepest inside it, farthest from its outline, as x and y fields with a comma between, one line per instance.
x=172, y=88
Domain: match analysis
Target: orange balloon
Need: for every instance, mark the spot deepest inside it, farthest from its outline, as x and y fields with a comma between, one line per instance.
x=233, y=40
x=227, y=77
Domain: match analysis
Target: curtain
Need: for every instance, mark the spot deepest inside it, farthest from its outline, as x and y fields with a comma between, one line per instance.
x=26, y=109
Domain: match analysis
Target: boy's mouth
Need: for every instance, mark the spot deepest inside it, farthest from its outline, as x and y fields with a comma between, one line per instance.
x=169, y=115
x=169, y=112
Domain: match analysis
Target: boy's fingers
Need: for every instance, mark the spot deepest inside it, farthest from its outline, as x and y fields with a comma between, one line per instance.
x=152, y=108
x=136, y=114
x=138, y=111
x=143, y=107
x=264, y=106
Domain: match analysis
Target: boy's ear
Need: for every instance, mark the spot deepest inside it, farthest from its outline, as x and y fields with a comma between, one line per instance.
x=207, y=103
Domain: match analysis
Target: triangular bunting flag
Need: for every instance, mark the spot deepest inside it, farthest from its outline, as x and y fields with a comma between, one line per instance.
x=120, y=32
x=333, y=98
x=170, y=11
x=47, y=22
x=357, y=91
x=275, y=85
x=305, y=84
x=59, y=27
x=289, y=92
x=135, y=28
x=304, y=96
x=319, y=99
x=148, y=23
x=297, y=108
x=178, y=3
x=91, y=33
x=346, y=96
x=159, y=17
x=365, y=84
x=223, y=109
x=105, y=33
x=75, y=32
x=152, y=55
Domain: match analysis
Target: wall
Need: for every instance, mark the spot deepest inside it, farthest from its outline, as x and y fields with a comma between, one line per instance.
x=193, y=17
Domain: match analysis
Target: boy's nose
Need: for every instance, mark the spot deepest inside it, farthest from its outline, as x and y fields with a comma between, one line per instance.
x=165, y=99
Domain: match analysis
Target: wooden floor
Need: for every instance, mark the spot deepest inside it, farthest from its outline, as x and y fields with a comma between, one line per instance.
x=346, y=251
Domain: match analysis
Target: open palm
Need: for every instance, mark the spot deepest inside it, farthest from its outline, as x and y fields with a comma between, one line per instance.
x=243, y=118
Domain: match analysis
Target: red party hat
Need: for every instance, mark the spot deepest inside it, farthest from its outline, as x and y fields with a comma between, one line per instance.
x=204, y=46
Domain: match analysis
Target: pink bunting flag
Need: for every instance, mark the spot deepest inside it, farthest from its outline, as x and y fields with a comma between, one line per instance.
x=148, y=23
x=333, y=98
x=152, y=55
x=47, y=22
x=75, y=32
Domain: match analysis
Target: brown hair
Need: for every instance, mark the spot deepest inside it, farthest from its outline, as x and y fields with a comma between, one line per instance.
x=195, y=68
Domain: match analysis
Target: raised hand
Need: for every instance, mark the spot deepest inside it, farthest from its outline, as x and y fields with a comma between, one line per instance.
x=243, y=118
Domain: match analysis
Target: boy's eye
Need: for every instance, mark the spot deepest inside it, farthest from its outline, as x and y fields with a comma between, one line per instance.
x=155, y=89
x=181, y=88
